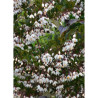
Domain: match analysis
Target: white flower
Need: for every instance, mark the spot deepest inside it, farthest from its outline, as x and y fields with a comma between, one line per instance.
x=74, y=77
x=43, y=20
x=54, y=83
x=74, y=35
x=68, y=77
x=80, y=9
x=36, y=24
x=47, y=80
x=66, y=16
x=16, y=70
x=46, y=9
x=40, y=12
x=52, y=32
x=42, y=80
x=34, y=36
x=65, y=63
x=45, y=89
x=53, y=25
x=39, y=88
x=28, y=85
x=58, y=56
x=31, y=97
x=71, y=46
x=50, y=7
x=77, y=1
x=32, y=81
x=51, y=81
x=42, y=4
x=53, y=2
x=81, y=74
x=78, y=95
x=16, y=39
x=78, y=12
x=31, y=16
x=62, y=19
x=49, y=69
x=46, y=5
x=53, y=72
x=47, y=58
x=68, y=47
x=76, y=16
x=48, y=75
x=64, y=49
x=75, y=55
x=20, y=46
x=59, y=64
x=46, y=30
x=34, y=14
x=57, y=72
x=73, y=97
x=60, y=87
x=74, y=40
x=30, y=38
x=83, y=51
x=18, y=88
x=39, y=61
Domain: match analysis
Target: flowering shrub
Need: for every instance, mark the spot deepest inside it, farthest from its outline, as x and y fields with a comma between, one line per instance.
x=49, y=48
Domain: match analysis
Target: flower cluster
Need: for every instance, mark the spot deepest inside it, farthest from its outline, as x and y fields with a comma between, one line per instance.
x=17, y=5
x=52, y=64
